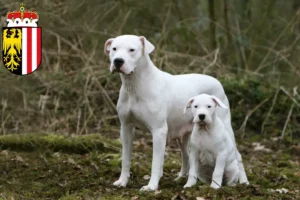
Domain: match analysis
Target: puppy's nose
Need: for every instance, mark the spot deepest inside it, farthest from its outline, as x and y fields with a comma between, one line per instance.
x=201, y=117
x=118, y=62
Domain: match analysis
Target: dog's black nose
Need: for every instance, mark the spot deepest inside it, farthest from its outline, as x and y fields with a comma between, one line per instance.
x=118, y=62
x=202, y=117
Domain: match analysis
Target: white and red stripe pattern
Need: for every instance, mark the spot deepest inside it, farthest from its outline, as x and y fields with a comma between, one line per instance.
x=31, y=49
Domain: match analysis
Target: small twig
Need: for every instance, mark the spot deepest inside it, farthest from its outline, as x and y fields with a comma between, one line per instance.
x=275, y=43
x=287, y=120
x=289, y=114
x=214, y=61
x=124, y=22
x=289, y=95
x=241, y=46
x=269, y=113
x=243, y=126
x=222, y=188
x=295, y=92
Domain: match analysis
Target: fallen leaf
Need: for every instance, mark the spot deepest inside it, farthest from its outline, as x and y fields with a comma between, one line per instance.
x=4, y=152
x=19, y=159
x=157, y=192
x=57, y=155
x=282, y=190
x=134, y=198
x=259, y=147
x=146, y=177
x=70, y=161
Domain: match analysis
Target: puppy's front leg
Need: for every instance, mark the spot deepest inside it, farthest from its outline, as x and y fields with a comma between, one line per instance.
x=218, y=171
x=194, y=167
x=243, y=177
x=159, y=144
x=127, y=134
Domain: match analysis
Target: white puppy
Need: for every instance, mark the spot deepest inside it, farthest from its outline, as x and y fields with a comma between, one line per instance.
x=213, y=152
x=151, y=100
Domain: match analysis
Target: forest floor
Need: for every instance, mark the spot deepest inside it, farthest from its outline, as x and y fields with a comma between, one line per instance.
x=44, y=166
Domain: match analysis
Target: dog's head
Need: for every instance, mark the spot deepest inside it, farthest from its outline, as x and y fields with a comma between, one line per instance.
x=203, y=108
x=125, y=51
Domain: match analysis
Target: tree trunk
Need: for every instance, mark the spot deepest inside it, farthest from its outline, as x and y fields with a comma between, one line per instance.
x=212, y=25
x=227, y=24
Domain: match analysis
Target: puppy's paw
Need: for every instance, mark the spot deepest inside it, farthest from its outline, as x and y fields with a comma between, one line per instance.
x=190, y=183
x=215, y=186
x=121, y=182
x=245, y=183
x=149, y=187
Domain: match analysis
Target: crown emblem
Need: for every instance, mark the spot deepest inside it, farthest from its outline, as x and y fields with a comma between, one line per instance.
x=22, y=18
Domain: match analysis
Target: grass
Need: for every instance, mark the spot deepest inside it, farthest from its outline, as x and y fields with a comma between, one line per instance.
x=54, y=142
x=54, y=173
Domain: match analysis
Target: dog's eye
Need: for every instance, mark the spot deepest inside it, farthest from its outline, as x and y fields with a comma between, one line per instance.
x=196, y=106
x=209, y=106
x=114, y=48
x=131, y=50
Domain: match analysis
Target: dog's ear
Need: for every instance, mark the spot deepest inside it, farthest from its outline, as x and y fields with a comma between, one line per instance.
x=147, y=46
x=188, y=104
x=218, y=102
x=107, y=46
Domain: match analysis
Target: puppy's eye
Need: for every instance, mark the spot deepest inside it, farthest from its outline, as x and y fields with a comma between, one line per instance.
x=196, y=106
x=114, y=48
x=209, y=106
x=131, y=50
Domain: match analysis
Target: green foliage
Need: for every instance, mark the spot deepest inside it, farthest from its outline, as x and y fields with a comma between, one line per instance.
x=74, y=93
x=246, y=94
x=60, y=143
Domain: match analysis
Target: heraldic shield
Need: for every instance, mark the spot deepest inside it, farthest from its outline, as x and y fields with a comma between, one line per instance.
x=21, y=49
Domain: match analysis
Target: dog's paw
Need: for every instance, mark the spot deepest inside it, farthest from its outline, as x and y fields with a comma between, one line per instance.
x=149, y=188
x=120, y=183
x=190, y=184
x=215, y=186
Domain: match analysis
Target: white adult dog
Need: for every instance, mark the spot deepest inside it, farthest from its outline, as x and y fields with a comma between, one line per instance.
x=152, y=100
x=213, y=151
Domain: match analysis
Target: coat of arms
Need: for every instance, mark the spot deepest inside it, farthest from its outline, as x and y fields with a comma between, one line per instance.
x=22, y=42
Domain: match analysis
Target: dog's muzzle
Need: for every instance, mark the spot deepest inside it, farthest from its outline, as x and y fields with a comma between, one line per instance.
x=118, y=63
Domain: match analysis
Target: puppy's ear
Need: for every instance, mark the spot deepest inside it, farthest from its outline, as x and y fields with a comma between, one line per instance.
x=218, y=102
x=188, y=104
x=107, y=46
x=147, y=46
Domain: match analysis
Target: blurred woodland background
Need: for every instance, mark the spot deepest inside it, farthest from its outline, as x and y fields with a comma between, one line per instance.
x=252, y=46
x=59, y=127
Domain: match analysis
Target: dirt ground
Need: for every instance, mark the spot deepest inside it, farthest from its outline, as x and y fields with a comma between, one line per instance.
x=31, y=171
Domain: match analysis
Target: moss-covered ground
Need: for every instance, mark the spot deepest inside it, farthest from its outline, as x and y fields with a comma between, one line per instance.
x=31, y=171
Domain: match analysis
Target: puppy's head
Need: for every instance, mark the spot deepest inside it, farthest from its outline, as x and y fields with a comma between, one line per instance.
x=203, y=108
x=125, y=51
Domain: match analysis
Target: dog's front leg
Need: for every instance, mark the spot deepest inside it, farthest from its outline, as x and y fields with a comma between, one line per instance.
x=194, y=167
x=127, y=134
x=184, y=157
x=159, y=144
x=217, y=176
